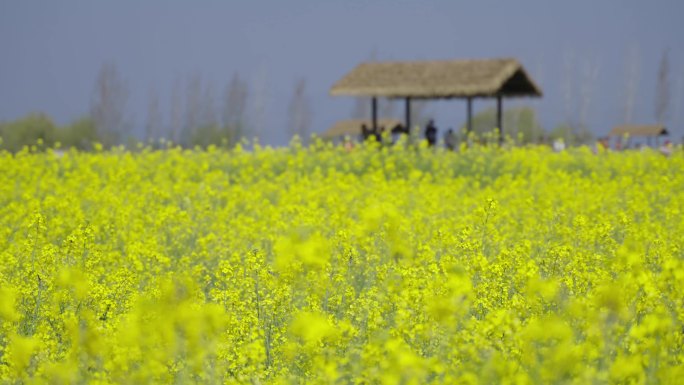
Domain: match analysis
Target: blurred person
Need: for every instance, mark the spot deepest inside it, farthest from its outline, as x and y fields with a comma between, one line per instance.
x=397, y=131
x=603, y=144
x=558, y=145
x=365, y=131
x=431, y=133
x=378, y=134
x=348, y=143
x=618, y=145
x=450, y=139
x=666, y=148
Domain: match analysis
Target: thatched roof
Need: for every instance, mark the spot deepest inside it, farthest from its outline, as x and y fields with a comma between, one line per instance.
x=352, y=127
x=438, y=79
x=639, y=130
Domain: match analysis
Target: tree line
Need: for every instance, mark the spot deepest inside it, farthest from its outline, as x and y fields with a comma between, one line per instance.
x=197, y=117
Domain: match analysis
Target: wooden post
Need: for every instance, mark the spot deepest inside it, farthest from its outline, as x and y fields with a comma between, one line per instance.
x=469, y=127
x=408, y=114
x=499, y=118
x=374, y=111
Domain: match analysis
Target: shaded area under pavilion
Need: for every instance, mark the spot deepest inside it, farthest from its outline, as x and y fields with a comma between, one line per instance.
x=446, y=79
x=352, y=127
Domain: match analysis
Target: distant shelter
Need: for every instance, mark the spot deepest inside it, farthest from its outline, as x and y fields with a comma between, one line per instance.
x=447, y=79
x=648, y=131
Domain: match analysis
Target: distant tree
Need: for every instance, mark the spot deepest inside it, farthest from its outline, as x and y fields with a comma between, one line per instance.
x=577, y=86
x=108, y=106
x=632, y=66
x=28, y=131
x=520, y=123
x=80, y=134
x=483, y=122
x=193, y=109
x=207, y=115
x=261, y=96
x=526, y=125
x=590, y=71
x=153, y=126
x=538, y=73
x=662, y=102
x=568, y=88
x=234, y=119
x=206, y=129
x=565, y=132
x=300, y=111
x=206, y=135
x=679, y=100
x=176, y=121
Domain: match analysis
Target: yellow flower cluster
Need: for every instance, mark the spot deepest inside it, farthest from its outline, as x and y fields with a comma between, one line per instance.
x=323, y=265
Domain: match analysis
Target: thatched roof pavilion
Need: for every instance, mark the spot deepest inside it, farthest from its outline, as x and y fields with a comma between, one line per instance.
x=448, y=79
x=639, y=130
x=352, y=127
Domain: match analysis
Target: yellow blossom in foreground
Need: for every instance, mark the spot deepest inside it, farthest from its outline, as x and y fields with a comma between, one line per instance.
x=320, y=265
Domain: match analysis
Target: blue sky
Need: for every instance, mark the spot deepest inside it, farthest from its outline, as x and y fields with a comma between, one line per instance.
x=52, y=51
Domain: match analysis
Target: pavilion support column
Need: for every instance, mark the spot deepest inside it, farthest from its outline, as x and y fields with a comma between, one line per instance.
x=374, y=111
x=469, y=127
x=408, y=114
x=499, y=118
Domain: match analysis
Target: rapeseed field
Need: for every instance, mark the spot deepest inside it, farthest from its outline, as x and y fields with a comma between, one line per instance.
x=320, y=265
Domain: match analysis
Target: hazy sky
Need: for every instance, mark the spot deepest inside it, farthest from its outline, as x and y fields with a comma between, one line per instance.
x=51, y=51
